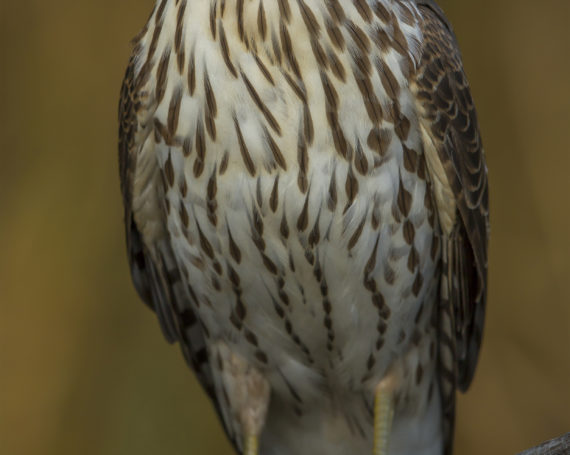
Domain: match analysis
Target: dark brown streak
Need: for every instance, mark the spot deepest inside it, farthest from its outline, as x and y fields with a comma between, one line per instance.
x=161, y=132
x=284, y=227
x=363, y=9
x=191, y=73
x=239, y=13
x=213, y=7
x=284, y=10
x=302, y=156
x=335, y=10
x=288, y=50
x=309, y=19
x=358, y=36
x=184, y=215
x=337, y=133
x=360, y=161
x=154, y=42
x=302, y=159
x=258, y=193
x=399, y=40
x=234, y=249
x=336, y=66
x=200, y=149
x=308, y=125
x=261, y=21
x=389, y=81
x=187, y=147
x=269, y=264
x=378, y=140
x=335, y=35
x=299, y=91
x=274, y=198
x=276, y=47
x=212, y=190
x=174, y=112
x=351, y=187
x=404, y=199
x=264, y=69
x=331, y=95
x=224, y=163
x=413, y=259
x=373, y=107
x=275, y=150
x=178, y=35
x=409, y=232
x=160, y=12
x=354, y=239
x=204, y=243
x=169, y=170
x=262, y=107
x=211, y=110
x=161, y=74
x=243, y=149
x=226, y=51
x=315, y=234
x=381, y=12
x=303, y=219
x=332, y=200
x=371, y=264
x=410, y=159
x=319, y=53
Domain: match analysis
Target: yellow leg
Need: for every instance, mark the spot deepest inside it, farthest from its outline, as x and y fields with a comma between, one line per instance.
x=383, y=414
x=251, y=445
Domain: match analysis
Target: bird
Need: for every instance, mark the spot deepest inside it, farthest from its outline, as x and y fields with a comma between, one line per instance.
x=306, y=211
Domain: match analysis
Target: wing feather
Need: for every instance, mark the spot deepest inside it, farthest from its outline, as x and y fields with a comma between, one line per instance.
x=449, y=119
x=153, y=267
x=146, y=277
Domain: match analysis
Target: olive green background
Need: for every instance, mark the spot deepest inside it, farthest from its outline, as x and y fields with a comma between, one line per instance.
x=83, y=366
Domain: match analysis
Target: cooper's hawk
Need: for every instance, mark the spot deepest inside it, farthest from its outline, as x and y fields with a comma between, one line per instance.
x=306, y=210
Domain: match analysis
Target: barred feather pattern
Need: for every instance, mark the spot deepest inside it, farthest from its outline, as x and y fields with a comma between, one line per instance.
x=287, y=219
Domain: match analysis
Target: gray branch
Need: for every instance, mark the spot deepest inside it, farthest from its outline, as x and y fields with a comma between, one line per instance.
x=558, y=446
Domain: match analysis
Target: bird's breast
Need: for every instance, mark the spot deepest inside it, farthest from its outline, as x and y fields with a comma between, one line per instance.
x=294, y=183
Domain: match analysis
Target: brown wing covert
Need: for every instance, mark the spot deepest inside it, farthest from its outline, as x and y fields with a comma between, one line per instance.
x=451, y=122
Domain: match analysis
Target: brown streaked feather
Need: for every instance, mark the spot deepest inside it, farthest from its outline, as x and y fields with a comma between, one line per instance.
x=451, y=122
x=141, y=269
x=155, y=274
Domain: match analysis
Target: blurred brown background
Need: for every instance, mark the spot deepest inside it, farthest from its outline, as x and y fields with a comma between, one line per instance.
x=83, y=365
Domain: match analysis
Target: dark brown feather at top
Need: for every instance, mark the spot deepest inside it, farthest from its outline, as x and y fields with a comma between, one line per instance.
x=444, y=92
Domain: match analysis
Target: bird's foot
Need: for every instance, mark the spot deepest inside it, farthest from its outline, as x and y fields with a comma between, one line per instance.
x=247, y=392
x=251, y=445
x=255, y=390
x=383, y=413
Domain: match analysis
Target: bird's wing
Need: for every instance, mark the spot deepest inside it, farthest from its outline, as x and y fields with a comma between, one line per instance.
x=153, y=267
x=458, y=172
